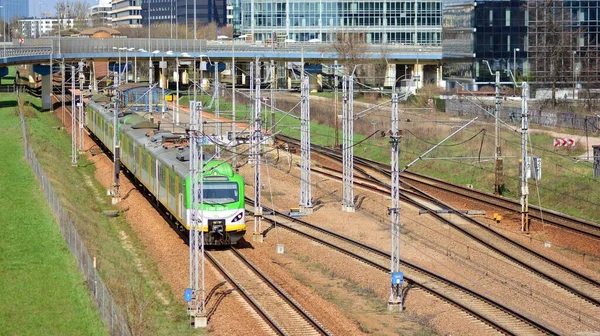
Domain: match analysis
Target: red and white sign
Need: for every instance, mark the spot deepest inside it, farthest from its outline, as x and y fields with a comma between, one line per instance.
x=21, y=41
x=562, y=142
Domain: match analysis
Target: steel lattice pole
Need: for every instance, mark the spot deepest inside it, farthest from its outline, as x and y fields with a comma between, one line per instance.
x=74, y=153
x=347, y=146
x=305, y=186
x=80, y=106
x=524, y=160
x=396, y=289
x=257, y=139
x=217, y=113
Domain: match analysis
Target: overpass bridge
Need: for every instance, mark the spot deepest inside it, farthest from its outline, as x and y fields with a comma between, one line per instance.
x=423, y=60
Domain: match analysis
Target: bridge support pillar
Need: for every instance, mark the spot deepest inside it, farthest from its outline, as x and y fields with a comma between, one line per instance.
x=390, y=76
x=31, y=73
x=418, y=71
x=440, y=82
x=46, y=91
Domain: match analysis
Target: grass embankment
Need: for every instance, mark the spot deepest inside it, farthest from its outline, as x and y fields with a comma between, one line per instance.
x=42, y=291
x=467, y=158
x=130, y=273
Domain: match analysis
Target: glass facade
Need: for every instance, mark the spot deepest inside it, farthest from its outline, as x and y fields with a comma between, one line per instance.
x=374, y=21
x=539, y=40
x=182, y=11
x=497, y=34
x=563, y=41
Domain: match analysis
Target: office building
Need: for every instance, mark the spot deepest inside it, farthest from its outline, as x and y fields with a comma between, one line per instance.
x=100, y=14
x=36, y=27
x=126, y=13
x=182, y=12
x=485, y=32
x=372, y=21
x=516, y=36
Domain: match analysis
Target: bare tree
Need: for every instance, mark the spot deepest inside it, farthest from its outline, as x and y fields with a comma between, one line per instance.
x=63, y=10
x=553, y=39
x=80, y=10
x=164, y=29
x=351, y=49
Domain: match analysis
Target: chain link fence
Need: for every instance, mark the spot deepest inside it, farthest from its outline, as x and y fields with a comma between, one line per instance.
x=110, y=311
x=512, y=115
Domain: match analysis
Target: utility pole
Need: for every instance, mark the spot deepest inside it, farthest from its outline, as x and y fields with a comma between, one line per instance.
x=499, y=180
x=233, y=123
x=272, y=98
x=217, y=112
x=176, y=77
x=195, y=295
x=116, y=190
x=306, y=205
x=524, y=160
x=80, y=105
x=62, y=87
x=347, y=143
x=257, y=138
x=336, y=135
x=74, y=154
x=396, y=297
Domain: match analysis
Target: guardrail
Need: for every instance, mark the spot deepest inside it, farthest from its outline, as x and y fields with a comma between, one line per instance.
x=72, y=45
x=25, y=51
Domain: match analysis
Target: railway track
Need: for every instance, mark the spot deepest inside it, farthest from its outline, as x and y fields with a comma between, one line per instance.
x=546, y=216
x=576, y=285
x=280, y=312
x=277, y=308
x=497, y=316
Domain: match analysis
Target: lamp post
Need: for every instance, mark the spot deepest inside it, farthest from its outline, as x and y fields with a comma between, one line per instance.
x=515, y=70
x=574, y=73
x=127, y=50
x=150, y=70
x=120, y=66
x=3, y=31
x=135, y=79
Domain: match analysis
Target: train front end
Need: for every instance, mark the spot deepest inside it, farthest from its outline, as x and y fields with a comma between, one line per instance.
x=222, y=213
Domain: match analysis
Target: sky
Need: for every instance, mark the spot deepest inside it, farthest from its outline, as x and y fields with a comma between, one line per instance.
x=48, y=6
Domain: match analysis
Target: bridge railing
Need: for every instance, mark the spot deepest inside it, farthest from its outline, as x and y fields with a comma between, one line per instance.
x=81, y=45
x=25, y=51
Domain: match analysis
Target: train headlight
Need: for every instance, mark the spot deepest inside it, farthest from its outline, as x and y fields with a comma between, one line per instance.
x=238, y=217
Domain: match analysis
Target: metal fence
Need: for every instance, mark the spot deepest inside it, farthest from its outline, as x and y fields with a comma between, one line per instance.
x=111, y=313
x=512, y=115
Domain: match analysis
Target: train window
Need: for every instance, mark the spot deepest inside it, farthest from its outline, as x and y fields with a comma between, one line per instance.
x=220, y=192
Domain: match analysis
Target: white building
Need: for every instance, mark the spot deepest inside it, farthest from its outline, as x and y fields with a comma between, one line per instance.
x=100, y=14
x=126, y=12
x=36, y=27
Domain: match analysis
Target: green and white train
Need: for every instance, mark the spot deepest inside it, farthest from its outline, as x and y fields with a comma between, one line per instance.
x=159, y=162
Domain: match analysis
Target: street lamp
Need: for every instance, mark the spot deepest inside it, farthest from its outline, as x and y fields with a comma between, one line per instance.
x=3, y=30
x=574, y=73
x=135, y=79
x=515, y=70
x=127, y=50
x=150, y=70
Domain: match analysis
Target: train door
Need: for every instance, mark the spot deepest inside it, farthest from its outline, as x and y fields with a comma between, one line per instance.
x=157, y=169
x=176, y=192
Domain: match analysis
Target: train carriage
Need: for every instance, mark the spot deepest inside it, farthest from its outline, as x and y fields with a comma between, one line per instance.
x=159, y=161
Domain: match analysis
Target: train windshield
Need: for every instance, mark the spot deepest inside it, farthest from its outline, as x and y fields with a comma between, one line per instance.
x=220, y=192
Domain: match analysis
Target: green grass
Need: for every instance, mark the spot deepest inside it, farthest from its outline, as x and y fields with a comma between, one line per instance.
x=137, y=287
x=42, y=291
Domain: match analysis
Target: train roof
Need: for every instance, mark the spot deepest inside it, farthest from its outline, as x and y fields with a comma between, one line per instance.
x=172, y=149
